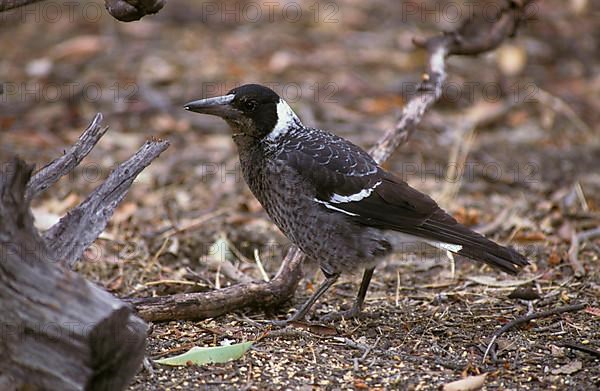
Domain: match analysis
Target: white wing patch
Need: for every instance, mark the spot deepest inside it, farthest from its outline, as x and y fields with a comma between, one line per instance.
x=400, y=240
x=285, y=118
x=446, y=246
x=364, y=193
x=329, y=206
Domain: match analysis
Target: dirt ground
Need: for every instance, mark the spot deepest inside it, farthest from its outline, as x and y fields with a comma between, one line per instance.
x=512, y=148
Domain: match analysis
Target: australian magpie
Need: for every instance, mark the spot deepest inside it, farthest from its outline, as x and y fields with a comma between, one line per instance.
x=331, y=199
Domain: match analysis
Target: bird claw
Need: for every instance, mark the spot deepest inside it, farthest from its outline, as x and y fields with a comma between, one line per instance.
x=279, y=323
x=352, y=313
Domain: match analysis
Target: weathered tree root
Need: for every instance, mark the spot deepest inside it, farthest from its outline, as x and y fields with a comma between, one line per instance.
x=59, y=331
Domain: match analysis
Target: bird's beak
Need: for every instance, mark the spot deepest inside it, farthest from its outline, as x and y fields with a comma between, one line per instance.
x=219, y=106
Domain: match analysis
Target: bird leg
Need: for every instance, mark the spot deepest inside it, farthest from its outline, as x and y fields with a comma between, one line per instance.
x=358, y=303
x=301, y=312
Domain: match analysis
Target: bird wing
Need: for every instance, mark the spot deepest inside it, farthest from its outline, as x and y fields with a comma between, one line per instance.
x=347, y=180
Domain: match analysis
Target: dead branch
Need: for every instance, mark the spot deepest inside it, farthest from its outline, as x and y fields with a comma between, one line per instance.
x=6, y=5
x=479, y=34
x=60, y=332
x=69, y=238
x=130, y=10
x=589, y=234
x=62, y=166
x=525, y=319
x=221, y=301
x=123, y=10
x=576, y=239
x=582, y=348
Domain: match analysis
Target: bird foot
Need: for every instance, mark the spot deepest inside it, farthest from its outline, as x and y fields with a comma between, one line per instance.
x=297, y=317
x=352, y=313
x=279, y=323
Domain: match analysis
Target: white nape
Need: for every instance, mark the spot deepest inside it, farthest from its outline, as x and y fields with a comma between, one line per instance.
x=364, y=193
x=285, y=119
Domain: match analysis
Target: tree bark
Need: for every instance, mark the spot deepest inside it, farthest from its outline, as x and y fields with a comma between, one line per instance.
x=59, y=331
x=123, y=10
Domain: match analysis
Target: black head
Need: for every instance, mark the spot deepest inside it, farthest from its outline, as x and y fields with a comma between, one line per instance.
x=251, y=109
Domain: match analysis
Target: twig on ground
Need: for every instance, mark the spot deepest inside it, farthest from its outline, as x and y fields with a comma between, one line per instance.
x=456, y=162
x=366, y=353
x=495, y=224
x=174, y=282
x=573, y=253
x=560, y=106
x=580, y=347
x=191, y=225
x=589, y=234
x=218, y=302
x=154, y=261
x=527, y=318
x=352, y=344
x=225, y=267
x=260, y=266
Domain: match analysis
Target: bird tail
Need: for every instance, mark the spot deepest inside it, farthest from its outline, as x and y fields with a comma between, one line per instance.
x=458, y=239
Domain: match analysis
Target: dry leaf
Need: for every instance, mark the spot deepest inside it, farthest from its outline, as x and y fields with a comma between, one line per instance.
x=469, y=383
x=535, y=236
x=557, y=351
x=593, y=311
x=381, y=104
x=554, y=258
x=79, y=48
x=467, y=216
x=506, y=344
x=124, y=211
x=360, y=384
x=569, y=368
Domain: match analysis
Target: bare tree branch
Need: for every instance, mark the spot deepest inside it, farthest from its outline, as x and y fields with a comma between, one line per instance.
x=123, y=10
x=63, y=165
x=69, y=238
x=130, y=10
x=475, y=36
x=60, y=332
x=6, y=5
x=525, y=319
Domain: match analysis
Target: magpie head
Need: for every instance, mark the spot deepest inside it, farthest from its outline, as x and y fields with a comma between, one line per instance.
x=250, y=110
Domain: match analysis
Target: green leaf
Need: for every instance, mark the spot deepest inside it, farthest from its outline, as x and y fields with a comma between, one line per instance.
x=200, y=356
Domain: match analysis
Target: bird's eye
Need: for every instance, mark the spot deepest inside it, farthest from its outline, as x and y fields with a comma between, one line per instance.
x=250, y=105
